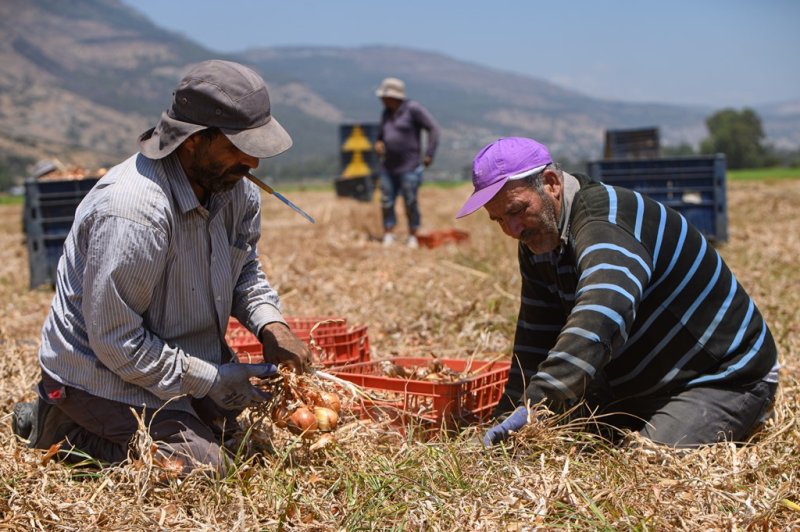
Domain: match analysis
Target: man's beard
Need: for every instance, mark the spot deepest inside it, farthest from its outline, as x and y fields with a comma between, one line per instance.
x=214, y=178
x=548, y=225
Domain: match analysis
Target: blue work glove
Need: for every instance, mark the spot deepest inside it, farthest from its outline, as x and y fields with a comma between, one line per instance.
x=514, y=422
x=232, y=389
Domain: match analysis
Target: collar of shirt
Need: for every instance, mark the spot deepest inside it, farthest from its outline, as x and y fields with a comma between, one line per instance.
x=400, y=109
x=571, y=187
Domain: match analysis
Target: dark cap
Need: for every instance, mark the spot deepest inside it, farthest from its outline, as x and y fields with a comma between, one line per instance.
x=225, y=95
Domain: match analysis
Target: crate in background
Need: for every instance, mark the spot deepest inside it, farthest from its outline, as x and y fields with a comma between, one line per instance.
x=429, y=404
x=693, y=186
x=641, y=143
x=48, y=214
x=44, y=252
x=439, y=237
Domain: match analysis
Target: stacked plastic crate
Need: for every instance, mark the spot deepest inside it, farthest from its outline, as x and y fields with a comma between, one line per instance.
x=693, y=186
x=332, y=341
x=462, y=391
x=49, y=211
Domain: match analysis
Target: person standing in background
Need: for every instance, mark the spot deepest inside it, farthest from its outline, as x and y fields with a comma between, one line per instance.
x=402, y=162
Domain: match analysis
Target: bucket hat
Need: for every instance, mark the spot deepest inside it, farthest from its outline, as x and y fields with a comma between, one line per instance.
x=225, y=95
x=499, y=162
x=392, y=88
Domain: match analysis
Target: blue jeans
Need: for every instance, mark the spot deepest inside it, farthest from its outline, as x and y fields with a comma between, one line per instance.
x=406, y=184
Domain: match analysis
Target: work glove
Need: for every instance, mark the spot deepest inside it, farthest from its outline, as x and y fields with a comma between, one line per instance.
x=499, y=432
x=232, y=389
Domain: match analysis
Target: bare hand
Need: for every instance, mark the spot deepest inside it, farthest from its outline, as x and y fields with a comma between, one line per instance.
x=427, y=161
x=380, y=148
x=281, y=346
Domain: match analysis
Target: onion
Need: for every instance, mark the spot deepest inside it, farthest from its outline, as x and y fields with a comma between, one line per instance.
x=302, y=422
x=329, y=400
x=279, y=416
x=326, y=418
x=435, y=365
x=311, y=397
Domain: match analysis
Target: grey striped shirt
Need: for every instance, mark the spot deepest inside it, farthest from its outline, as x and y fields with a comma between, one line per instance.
x=147, y=283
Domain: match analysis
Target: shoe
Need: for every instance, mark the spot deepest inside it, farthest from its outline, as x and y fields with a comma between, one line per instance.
x=22, y=419
x=412, y=242
x=388, y=240
x=41, y=423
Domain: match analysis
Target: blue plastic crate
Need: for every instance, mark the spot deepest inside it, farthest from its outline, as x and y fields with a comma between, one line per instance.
x=44, y=252
x=47, y=218
x=693, y=186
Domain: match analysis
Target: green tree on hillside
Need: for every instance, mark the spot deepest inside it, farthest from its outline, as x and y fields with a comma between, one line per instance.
x=738, y=135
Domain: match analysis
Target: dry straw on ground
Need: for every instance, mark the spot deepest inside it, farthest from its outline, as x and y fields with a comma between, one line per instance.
x=453, y=302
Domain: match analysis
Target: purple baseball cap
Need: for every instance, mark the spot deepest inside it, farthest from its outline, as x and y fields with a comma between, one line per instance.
x=503, y=160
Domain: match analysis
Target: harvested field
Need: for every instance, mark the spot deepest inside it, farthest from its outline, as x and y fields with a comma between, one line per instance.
x=452, y=301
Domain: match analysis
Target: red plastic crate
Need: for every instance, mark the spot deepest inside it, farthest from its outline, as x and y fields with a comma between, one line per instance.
x=341, y=348
x=302, y=326
x=436, y=238
x=336, y=344
x=237, y=333
x=436, y=404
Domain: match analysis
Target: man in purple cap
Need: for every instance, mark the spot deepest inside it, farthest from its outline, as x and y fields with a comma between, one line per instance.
x=626, y=309
x=162, y=252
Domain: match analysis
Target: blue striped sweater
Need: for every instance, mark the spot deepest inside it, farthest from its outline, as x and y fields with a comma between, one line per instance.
x=638, y=294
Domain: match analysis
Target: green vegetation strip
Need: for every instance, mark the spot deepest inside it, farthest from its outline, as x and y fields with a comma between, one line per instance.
x=6, y=199
x=764, y=174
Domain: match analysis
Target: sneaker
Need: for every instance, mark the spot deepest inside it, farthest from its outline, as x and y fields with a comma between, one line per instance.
x=388, y=240
x=41, y=423
x=412, y=242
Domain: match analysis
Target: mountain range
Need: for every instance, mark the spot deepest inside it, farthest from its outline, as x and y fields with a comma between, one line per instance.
x=81, y=79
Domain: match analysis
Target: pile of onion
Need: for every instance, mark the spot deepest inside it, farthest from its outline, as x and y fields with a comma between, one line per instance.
x=305, y=421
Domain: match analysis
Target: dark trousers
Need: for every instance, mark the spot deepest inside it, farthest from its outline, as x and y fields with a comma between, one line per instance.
x=680, y=418
x=105, y=429
x=695, y=416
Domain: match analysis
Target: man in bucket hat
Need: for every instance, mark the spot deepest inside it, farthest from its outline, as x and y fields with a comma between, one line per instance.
x=399, y=147
x=161, y=253
x=626, y=309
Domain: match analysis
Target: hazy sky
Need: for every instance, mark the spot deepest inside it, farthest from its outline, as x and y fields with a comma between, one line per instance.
x=712, y=52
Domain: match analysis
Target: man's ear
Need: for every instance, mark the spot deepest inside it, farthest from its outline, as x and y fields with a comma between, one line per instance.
x=191, y=142
x=551, y=180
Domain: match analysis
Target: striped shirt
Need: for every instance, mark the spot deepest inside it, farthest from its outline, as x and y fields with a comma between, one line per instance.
x=636, y=294
x=147, y=283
